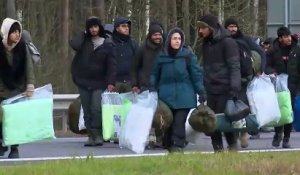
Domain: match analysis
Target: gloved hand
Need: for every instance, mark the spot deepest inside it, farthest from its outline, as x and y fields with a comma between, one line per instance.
x=110, y=88
x=202, y=98
x=233, y=95
x=29, y=90
x=135, y=89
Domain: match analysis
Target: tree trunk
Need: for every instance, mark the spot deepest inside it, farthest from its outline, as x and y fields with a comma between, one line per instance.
x=186, y=20
x=256, y=15
x=221, y=11
x=11, y=9
x=99, y=9
x=173, y=13
x=164, y=13
x=65, y=46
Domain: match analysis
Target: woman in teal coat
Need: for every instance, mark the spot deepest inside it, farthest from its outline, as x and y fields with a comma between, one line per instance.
x=177, y=78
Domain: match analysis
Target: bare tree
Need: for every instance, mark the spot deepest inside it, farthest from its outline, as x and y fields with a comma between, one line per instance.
x=172, y=13
x=99, y=9
x=11, y=9
x=186, y=19
x=256, y=16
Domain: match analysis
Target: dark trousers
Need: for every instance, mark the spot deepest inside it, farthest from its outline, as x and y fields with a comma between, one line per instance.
x=175, y=136
x=91, y=105
x=217, y=103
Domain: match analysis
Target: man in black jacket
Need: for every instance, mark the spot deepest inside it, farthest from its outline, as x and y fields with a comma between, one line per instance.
x=93, y=71
x=249, y=45
x=125, y=48
x=222, y=77
x=284, y=57
x=143, y=61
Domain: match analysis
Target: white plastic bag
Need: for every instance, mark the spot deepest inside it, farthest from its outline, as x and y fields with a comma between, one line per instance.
x=192, y=136
x=136, y=129
x=263, y=100
x=81, y=125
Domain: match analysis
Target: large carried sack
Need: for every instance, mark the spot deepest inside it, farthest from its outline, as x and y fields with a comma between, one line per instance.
x=263, y=100
x=248, y=124
x=192, y=136
x=74, y=113
x=163, y=116
x=138, y=123
x=236, y=110
x=203, y=119
x=296, y=123
x=284, y=100
x=28, y=119
x=114, y=112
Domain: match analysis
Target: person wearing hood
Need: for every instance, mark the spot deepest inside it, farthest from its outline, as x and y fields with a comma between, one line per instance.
x=16, y=69
x=249, y=45
x=125, y=47
x=222, y=77
x=178, y=78
x=93, y=71
x=284, y=57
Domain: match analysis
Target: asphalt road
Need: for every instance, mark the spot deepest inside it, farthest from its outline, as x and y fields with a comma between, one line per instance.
x=62, y=148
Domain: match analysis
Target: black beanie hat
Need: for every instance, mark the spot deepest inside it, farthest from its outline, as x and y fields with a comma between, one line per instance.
x=14, y=27
x=92, y=21
x=230, y=21
x=283, y=31
x=155, y=27
x=208, y=21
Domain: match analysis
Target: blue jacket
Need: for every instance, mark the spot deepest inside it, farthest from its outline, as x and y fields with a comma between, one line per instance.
x=177, y=79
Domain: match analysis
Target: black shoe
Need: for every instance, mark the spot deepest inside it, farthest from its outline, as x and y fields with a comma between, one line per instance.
x=277, y=140
x=14, y=153
x=218, y=148
x=90, y=142
x=3, y=149
x=286, y=143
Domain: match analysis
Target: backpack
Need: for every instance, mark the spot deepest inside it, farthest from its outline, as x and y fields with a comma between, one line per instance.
x=35, y=54
x=246, y=59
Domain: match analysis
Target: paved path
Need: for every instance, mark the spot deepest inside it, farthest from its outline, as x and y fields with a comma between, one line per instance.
x=62, y=148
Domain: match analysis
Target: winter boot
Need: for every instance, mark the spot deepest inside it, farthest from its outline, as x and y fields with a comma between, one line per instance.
x=90, y=141
x=3, y=149
x=98, y=140
x=276, y=140
x=286, y=142
x=14, y=153
x=218, y=148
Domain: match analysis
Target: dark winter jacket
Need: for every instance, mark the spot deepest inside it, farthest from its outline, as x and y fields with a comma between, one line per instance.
x=177, y=78
x=92, y=68
x=291, y=66
x=16, y=66
x=143, y=62
x=125, y=49
x=221, y=64
x=252, y=46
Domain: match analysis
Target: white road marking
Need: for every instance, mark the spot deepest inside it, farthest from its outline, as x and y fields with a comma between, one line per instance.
x=135, y=155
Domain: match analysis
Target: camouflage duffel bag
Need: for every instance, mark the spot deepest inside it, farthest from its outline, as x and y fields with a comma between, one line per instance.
x=203, y=119
x=73, y=116
x=163, y=117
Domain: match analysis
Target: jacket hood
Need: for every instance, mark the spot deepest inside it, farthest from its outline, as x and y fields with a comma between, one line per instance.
x=171, y=32
x=93, y=20
x=5, y=27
